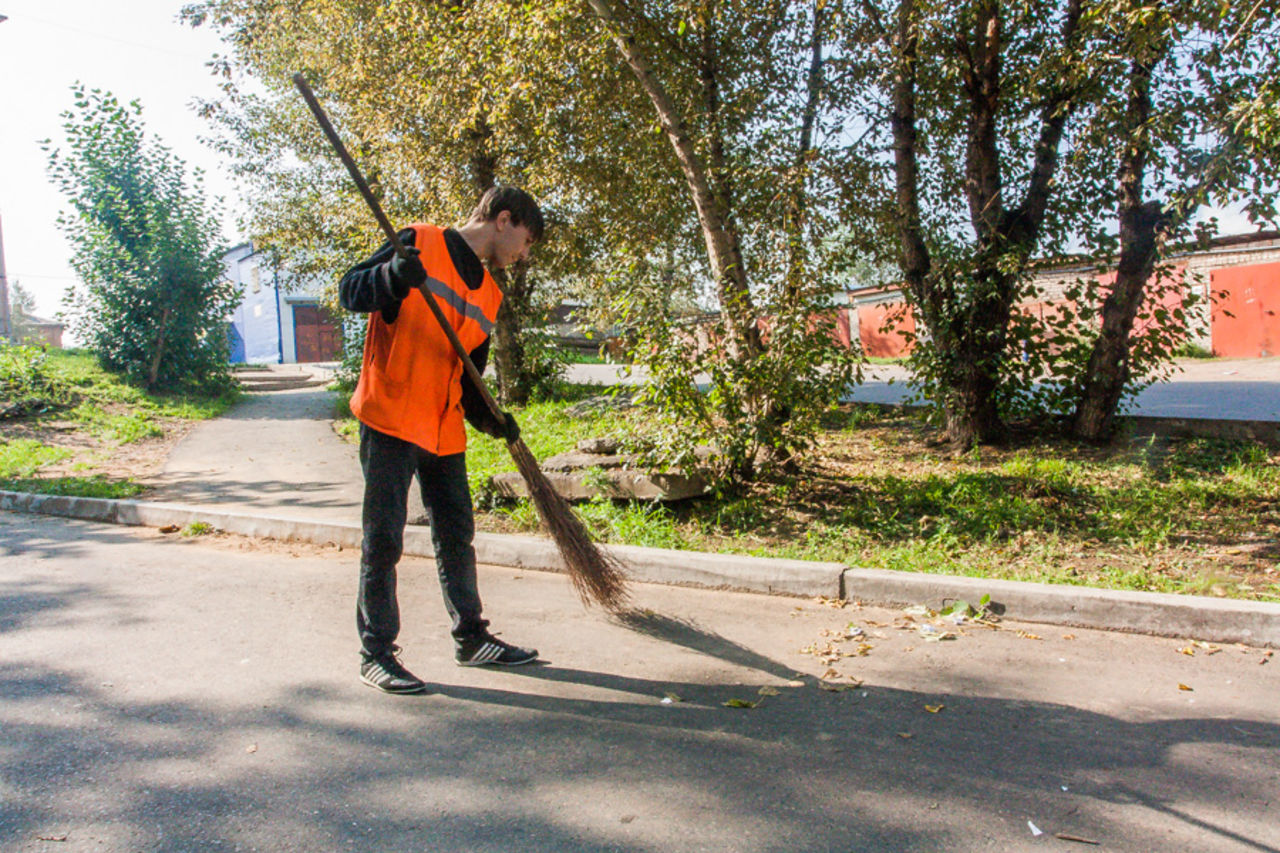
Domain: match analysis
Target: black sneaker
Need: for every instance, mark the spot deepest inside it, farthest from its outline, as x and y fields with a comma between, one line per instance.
x=485, y=649
x=386, y=674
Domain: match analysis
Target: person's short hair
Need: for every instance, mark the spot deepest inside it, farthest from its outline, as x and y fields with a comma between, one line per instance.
x=523, y=209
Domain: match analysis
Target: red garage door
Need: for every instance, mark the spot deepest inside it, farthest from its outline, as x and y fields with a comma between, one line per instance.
x=316, y=334
x=1246, y=311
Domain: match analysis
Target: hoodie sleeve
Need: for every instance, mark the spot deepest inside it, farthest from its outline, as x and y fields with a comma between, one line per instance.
x=367, y=286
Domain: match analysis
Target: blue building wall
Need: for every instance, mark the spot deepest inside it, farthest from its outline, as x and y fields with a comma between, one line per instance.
x=256, y=323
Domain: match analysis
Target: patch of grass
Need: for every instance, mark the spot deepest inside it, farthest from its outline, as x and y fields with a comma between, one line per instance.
x=80, y=487
x=126, y=427
x=197, y=528
x=1190, y=350
x=23, y=457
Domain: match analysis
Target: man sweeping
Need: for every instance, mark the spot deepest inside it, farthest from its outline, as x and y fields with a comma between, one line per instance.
x=411, y=400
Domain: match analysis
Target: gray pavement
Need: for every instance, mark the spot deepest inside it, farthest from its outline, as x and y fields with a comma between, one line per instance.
x=160, y=693
x=1233, y=389
x=271, y=451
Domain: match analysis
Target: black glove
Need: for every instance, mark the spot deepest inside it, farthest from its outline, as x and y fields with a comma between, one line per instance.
x=508, y=430
x=405, y=273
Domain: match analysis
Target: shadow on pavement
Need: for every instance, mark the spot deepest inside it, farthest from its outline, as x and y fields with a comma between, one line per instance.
x=470, y=768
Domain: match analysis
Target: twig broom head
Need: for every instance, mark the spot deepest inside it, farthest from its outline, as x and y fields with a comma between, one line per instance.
x=597, y=576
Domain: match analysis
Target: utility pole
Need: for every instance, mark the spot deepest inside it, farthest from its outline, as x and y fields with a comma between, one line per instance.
x=6, y=324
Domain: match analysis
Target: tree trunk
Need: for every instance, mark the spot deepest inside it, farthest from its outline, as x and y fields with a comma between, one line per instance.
x=798, y=214
x=512, y=382
x=1140, y=228
x=153, y=370
x=970, y=323
x=722, y=242
x=515, y=384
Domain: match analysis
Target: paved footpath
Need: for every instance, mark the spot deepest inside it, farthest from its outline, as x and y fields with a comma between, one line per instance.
x=168, y=694
x=1232, y=389
x=274, y=451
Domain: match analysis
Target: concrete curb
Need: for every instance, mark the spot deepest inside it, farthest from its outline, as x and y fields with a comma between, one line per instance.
x=653, y=565
x=1211, y=619
x=1218, y=620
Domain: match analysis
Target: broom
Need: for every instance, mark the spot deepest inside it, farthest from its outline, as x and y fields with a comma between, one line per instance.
x=596, y=575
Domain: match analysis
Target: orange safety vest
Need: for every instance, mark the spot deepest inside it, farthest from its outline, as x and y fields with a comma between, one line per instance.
x=411, y=382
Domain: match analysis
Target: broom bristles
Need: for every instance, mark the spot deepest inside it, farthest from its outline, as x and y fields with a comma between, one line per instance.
x=597, y=576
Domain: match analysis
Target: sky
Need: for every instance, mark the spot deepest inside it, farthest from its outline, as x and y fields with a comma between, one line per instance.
x=134, y=49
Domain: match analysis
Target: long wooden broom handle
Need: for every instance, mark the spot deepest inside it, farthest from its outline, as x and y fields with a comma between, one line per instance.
x=394, y=239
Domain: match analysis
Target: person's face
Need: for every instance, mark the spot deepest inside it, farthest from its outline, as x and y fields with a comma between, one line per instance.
x=511, y=243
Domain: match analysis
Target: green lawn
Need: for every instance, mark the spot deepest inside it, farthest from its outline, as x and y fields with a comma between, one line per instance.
x=61, y=407
x=1193, y=516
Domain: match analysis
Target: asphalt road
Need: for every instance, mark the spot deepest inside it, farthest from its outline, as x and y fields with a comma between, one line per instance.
x=1233, y=389
x=170, y=694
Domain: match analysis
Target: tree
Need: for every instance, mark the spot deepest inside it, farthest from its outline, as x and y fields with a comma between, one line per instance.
x=1195, y=116
x=977, y=101
x=1012, y=129
x=747, y=100
x=532, y=95
x=22, y=307
x=153, y=299
x=481, y=93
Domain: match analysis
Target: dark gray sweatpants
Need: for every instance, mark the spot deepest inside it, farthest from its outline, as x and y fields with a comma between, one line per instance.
x=389, y=466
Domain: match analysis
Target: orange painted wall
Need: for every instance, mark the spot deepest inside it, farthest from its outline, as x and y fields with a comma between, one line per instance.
x=1252, y=294
x=876, y=343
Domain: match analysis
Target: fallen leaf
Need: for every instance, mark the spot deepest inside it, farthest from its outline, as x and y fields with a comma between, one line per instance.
x=253, y=747
x=1027, y=635
x=1189, y=651
x=1182, y=686
x=170, y=528
x=933, y=709
x=1068, y=636
x=62, y=837
x=1266, y=656
x=905, y=735
x=830, y=673
x=837, y=603
x=795, y=684
x=834, y=688
x=627, y=818
x=673, y=697
x=768, y=691
x=739, y=703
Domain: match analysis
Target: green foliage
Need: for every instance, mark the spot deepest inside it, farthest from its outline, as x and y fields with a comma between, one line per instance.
x=544, y=363
x=197, y=528
x=1110, y=132
x=153, y=301
x=28, y=384
x=22, y=306
x=758, y=409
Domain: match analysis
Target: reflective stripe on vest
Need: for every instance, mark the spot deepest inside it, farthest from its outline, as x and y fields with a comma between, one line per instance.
x=411, y=381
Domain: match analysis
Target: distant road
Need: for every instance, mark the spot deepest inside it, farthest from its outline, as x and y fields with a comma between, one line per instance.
x=1234, y=389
